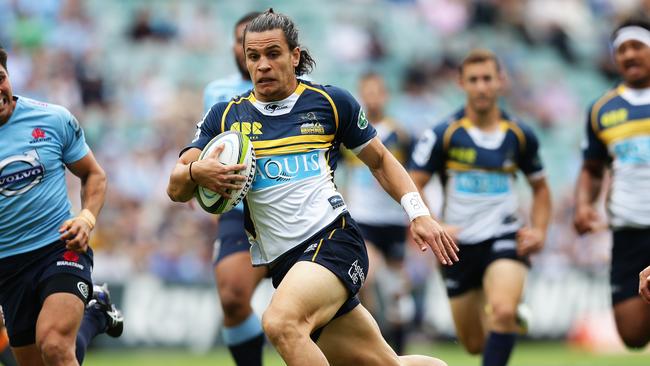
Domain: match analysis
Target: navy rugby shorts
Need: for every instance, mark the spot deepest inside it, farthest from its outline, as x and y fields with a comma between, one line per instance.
x=389, y=239
x=231, y=237
x=27, y=279
x=630, y=255
x=340, y=248
x=467, y=273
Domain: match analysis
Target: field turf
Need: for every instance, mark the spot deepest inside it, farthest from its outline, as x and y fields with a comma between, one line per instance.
x=526, y=354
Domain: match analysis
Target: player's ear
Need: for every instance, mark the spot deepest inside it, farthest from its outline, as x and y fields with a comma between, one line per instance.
x=295, y=57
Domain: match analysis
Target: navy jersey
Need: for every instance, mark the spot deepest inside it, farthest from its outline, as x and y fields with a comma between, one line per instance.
x=35, y=144
x=296, y=141
x=478, y=170
x=618, y=133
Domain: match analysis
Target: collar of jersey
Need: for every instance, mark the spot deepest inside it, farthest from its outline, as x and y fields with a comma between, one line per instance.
x=284, y=106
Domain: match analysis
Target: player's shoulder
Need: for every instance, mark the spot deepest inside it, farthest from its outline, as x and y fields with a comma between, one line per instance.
x=515, y=122
x=49, y=108
x=449, y=123
x=611, y=97
x=337, y=94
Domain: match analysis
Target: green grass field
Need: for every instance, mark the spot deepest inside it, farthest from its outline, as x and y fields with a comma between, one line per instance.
x=526, y=354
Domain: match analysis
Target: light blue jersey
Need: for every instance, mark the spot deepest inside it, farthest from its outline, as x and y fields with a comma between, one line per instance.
x=35, y=143
x=223, y=90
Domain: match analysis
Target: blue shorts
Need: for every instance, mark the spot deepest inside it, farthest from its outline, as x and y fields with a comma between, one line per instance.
x=389, y=239
x=340, y=248
x=231, y=237
x=630, y=256
x=467, y=273
x=27, y=279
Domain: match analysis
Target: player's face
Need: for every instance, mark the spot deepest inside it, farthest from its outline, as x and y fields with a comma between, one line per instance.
x=271, y=64
x=238, y=50
x=633, y=61
x=374, y=95
x=482, y=84
x=6, y=96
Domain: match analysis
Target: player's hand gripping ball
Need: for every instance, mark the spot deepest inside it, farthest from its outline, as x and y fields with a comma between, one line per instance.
x=238, y=149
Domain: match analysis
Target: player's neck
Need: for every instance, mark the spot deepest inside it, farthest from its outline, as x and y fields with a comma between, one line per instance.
x=486, y=121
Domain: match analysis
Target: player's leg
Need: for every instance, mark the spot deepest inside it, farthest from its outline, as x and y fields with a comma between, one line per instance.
x=56, y=328
x=355, y=339
x=630, y=255
x=236, y=281
x=368, y=293
x=503, y=284
x=467, y=312
x=28, y=355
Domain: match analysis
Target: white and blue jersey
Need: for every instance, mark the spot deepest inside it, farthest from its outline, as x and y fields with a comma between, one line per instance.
x=296, y=141
x=478, y=172
x=36, y=143
x=618, y=133
x=223, y=90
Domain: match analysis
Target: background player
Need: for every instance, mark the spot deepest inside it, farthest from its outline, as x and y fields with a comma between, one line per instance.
x=477, y=153
x=236, y=278
x=45, y=260
x=299, y=224
x=382, y=221
x=618, y=137
x=6, y=356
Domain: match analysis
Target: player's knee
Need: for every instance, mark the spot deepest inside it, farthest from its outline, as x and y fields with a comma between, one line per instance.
x=504, y=315
x=56, y=349
x=279, y=327
x=635, y=341
x=234, y=301
x=474, y=347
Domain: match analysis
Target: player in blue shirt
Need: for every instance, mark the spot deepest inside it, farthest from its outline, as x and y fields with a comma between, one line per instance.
x=296, y=221
x=235, y=277
x=618, y=139
x=477, y=154
x=45, y=260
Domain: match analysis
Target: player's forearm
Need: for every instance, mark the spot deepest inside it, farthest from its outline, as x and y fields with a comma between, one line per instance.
x=392, y=176
x=541, y=208
x=181, y=187
x=588, y=187
x=93, y=191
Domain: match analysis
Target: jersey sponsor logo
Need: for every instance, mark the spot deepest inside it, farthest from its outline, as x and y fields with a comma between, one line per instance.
x=83, y=289
x=38, y=135
x=356, y=273
x=20, y=173
x=633, y=151
x=482, y=183
x=614, y=117
x=248, y=128
x=277, y=170
x=362, y=122
x=310, y=128
x=274, y=107
x=336, y=201
x=463, y=154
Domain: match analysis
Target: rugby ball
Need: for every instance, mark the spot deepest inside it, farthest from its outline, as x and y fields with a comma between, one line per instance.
x=238, y=149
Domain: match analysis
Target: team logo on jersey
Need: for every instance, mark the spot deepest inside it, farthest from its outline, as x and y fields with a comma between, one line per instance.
x=312, y=128
x=20, y=173
x=277, y=170
x=71, y=256
x=38, y=135
x=362, y=122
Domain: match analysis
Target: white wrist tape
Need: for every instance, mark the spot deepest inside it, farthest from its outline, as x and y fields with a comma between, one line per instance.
x=414, y=205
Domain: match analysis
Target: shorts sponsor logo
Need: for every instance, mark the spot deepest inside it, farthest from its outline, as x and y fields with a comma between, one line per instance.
x=356, y=273
x=311, y=248
x=451, y=284
x=502, y=245
x=69, y=264
x=336, y=201
x=83, y=289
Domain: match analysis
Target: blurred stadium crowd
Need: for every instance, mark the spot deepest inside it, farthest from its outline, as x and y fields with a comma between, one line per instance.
x=133, y=73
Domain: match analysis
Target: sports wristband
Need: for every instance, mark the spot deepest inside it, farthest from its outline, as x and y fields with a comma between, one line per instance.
x=191, y=177
x=88, y=217
x=414, y=205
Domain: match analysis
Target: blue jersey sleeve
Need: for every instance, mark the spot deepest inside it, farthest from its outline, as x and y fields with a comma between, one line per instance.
x=592, y=147
x=207, y=128
x=428, y=153
x=354, y=130
x=73, y=139
x=529, y=161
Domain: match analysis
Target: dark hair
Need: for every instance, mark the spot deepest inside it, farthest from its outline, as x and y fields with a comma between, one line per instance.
x=631, y=22
x=480, y=55
x=270, y=20
x=247, y=18
x=3, y=57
